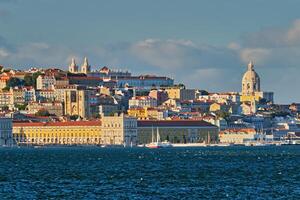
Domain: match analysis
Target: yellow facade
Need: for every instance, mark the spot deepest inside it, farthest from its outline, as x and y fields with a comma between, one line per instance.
x=217, y=106
x=250, y=98
x=140, y=113
x=57, y=133
x=181, y=94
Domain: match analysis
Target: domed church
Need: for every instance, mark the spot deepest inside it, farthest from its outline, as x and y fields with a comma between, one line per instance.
x=251, y=81
x=251, y=87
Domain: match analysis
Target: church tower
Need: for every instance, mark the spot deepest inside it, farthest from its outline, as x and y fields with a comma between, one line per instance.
x=73, y=68
x=251, y=81
x=85, y=68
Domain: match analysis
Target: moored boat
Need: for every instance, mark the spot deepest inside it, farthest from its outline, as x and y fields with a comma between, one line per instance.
x=158, y=144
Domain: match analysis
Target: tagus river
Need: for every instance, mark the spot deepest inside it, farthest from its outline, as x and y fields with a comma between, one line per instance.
x=137, y=173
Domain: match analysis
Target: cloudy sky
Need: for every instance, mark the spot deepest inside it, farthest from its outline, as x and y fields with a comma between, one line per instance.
x=205, y=44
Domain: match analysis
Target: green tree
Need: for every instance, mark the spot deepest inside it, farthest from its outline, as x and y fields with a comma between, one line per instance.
x=28, y=80
x=42, y=113
x=222, y=114
x=74, y=117
x=13, y=82
x=21, y=106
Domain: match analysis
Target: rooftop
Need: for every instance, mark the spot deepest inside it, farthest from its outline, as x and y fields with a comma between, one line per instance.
x=69, y=123
x=183, y=123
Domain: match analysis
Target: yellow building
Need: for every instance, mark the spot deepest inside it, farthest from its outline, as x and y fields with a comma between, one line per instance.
x=181, y=93
x=57, y=133
x=251, y=87
x=219, y=107
x=147, y=113
x=140, y=113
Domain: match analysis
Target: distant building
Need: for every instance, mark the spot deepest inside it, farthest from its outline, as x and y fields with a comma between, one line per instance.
x=237, y=136
x=160, y=95
x=295, y=107
x=144, y=82
x=45, y=95
x=18, y=95
x=4, y=77
x=142, y=101
x=73, y=68
x=57, y=133
x=219, y=107
x=54, y=108
x=181, y=93
x=77, y=103
x=147, y=113
x=177, y=131
x=119, y=130
x=59, y=91
x=6, y=99
x=221, y=97
x=107, y=109
x=105, y=72
x=5, y=131
x=45, y=82
x=85, y=68
x=85, y=81
x=251, y=90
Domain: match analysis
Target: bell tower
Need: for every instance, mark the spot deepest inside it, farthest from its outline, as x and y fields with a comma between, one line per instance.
x=85, y=68
x=73, y=68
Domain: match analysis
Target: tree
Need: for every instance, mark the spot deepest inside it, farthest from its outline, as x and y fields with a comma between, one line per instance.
x=28, y=80
x=74, y=117
x=181, y=85
x=13, y=82
x=21, y=106
x=222, y=114
x=42, y=113
x=4, y=108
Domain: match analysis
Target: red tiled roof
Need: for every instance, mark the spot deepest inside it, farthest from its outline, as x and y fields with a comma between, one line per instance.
x=85, y=78
x=69, y=123
x=146, y=77
x=162, y=123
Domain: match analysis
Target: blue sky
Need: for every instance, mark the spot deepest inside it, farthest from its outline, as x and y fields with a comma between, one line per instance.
x=204, y=44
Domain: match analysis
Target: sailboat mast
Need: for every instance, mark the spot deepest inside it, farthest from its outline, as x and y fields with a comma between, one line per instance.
x=152, y=139
x=157, y=135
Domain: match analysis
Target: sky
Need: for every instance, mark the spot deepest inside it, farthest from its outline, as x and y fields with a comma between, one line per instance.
x=205, y=44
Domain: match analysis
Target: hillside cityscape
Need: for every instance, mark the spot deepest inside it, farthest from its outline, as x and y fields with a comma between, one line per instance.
x=110, y=107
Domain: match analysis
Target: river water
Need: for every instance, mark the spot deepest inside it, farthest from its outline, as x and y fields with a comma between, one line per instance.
x=138, y=173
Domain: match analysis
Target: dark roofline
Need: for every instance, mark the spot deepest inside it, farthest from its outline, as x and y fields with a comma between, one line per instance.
x=174, y=123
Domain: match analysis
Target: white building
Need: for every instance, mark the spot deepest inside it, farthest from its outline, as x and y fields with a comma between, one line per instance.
x=5, y=131
x=45, y=82
x=119, y=130
x=142, y=101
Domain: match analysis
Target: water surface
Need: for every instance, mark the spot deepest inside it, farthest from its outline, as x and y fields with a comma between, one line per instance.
x=137, y=173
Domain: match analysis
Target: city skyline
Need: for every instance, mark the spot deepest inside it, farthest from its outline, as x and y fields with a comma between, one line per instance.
x=210, y=45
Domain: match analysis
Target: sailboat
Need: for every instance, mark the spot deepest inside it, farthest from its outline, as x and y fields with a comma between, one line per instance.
x=158, y=144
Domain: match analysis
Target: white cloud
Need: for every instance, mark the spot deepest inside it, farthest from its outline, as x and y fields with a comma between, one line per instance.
x=293, y=34
x=258, y=55
x=3, y=53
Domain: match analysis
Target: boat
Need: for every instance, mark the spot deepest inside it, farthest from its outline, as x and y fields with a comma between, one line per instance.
x=158, y=144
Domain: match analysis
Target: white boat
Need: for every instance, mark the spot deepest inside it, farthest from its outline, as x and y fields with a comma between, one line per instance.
x=158, y=144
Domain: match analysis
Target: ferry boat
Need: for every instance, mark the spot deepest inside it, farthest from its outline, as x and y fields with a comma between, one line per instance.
x=158, y=144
